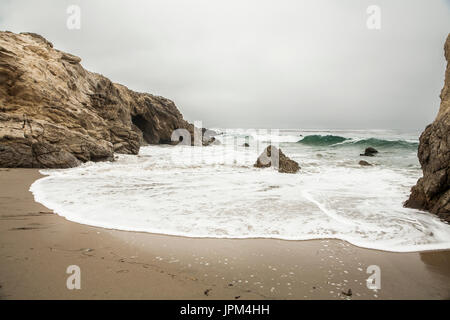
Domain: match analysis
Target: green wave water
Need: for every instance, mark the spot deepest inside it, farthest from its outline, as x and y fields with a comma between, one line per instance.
x=319, y=140
x=338, y=141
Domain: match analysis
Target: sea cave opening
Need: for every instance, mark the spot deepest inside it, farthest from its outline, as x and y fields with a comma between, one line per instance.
x=143, y=125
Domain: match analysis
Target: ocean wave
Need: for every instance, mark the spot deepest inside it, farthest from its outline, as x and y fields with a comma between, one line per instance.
x=335, y=141
x=386, y=143
x=319, y=140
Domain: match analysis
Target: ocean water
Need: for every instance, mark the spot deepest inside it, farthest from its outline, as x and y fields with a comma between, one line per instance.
x=216, y=192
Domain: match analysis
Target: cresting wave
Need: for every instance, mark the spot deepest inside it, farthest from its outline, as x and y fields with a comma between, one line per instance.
x=331, y=140
x=219, y=194
x=318, y=140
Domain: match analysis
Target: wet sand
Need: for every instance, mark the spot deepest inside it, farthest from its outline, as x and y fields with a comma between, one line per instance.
x=37, y=246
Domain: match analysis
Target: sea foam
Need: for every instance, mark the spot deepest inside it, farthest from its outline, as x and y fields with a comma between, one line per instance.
x=216, y=192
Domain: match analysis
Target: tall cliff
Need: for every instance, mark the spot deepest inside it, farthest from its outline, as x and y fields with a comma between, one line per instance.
x=55, y=114
x=432, y=191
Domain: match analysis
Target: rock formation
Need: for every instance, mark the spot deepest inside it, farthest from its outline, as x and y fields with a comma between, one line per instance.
x=55, y=114
x=369, y=152
x=208, y=137
x=432, y=191
x=364, y=163
x=272, y=156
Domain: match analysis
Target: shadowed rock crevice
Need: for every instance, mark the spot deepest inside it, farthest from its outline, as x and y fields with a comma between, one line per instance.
x=143, y=126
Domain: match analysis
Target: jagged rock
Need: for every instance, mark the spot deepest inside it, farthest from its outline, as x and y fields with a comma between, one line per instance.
x=70, y=58
x=272, y=156
x=55, y=114
x=208, y=137
x=369, y=152
x=364, y=163
x=432, y=191
x=37, y=37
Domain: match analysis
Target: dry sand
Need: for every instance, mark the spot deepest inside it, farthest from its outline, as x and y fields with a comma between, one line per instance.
x=37, y=246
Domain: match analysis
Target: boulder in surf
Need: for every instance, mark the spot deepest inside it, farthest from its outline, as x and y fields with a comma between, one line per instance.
x=272, y=156
x=369, y=152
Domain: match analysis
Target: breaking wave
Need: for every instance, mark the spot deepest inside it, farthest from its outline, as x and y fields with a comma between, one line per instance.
x=318, y=140
x=331, y=140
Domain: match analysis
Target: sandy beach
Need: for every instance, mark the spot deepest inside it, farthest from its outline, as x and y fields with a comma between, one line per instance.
x=37, y=246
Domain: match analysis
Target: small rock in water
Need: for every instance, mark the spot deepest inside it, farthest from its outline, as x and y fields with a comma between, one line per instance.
x=246, y=145
x=369, y=152
x=364, y=163
x=272, y=156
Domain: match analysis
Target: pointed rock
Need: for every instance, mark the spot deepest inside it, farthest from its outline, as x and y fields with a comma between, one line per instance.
x=272, y=156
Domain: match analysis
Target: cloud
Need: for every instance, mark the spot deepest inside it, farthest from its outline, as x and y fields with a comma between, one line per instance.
x=261, y=63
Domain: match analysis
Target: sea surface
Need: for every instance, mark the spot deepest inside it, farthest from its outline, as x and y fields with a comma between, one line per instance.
x=216, y=192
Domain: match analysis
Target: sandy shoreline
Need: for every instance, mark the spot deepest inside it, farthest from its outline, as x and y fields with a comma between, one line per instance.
x=36, y=247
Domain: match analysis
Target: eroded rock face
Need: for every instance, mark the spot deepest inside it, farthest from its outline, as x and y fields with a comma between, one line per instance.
x=272, y=156
x=55, y=114
x=432, y=191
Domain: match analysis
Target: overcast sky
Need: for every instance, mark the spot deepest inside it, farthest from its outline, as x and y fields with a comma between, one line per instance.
x=277, y=63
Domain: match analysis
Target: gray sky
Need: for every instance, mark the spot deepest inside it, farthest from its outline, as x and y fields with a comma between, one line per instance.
x=261, y=63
